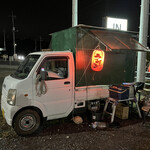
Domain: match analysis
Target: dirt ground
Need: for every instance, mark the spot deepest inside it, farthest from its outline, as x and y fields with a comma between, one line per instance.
x=64, y=134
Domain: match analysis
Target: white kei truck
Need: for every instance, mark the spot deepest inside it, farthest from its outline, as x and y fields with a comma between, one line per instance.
x=53, y=84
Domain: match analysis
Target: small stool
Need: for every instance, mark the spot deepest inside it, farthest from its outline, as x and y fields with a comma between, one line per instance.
x=146, y=107
x=146, y=111
x=114, y=104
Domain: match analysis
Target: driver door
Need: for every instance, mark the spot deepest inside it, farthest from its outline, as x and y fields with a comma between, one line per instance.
x=57, y=89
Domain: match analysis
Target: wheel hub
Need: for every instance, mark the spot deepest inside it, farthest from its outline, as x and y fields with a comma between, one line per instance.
x=27, y=122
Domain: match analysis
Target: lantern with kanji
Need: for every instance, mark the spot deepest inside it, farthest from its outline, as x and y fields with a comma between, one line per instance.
x=97, y=60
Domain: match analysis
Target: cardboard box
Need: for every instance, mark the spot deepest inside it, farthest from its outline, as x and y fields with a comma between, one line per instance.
x=122, y=111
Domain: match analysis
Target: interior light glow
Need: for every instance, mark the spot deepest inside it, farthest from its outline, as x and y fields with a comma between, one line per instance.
x=80, y=59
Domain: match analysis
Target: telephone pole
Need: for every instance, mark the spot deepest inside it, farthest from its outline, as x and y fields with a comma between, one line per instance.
x=40, y=43
x=4, y=42
x=35, y=49
x=143, y=34
x=13, y=31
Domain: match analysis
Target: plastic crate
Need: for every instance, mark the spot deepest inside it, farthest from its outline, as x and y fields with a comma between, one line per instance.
x=119, y=92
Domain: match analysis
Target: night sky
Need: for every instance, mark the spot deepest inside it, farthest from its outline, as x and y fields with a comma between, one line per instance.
x=42, y=17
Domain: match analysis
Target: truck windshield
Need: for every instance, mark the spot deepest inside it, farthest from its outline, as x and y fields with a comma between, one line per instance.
x=25, y=67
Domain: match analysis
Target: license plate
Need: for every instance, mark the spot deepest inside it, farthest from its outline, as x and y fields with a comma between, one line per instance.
x=3, y=113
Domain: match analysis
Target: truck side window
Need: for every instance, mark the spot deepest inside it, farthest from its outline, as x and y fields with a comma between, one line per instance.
x=56, y=67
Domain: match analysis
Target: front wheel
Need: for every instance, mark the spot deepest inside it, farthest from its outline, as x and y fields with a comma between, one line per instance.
x=27, y=122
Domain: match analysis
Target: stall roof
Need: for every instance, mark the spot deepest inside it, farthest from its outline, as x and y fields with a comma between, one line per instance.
x=118, y=41
x=114, y=39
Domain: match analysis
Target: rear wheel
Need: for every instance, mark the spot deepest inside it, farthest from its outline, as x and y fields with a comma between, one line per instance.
x=27, y=122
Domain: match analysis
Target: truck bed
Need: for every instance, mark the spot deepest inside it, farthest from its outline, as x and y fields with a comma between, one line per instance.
x=86, y=93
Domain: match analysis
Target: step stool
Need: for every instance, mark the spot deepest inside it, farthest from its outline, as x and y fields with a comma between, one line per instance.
x=146, y=112
x=114, y=104
x=146, y=107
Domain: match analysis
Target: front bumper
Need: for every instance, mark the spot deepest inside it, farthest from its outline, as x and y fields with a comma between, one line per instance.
x=8, y=111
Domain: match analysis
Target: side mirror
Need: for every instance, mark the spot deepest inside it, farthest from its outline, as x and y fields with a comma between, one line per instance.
x=43, y=74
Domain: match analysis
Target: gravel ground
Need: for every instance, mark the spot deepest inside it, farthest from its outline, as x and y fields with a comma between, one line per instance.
x=64, y=134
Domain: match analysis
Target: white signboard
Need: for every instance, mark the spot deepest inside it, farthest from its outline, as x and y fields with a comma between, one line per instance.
x=116, y=23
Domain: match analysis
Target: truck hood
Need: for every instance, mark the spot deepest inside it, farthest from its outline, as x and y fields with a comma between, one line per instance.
x=10, y=83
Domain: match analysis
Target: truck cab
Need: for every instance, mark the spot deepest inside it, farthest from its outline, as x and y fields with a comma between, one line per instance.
x=42, y=86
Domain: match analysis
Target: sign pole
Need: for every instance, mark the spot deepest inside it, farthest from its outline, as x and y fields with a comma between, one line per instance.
x=74, y=13
x=143, y=34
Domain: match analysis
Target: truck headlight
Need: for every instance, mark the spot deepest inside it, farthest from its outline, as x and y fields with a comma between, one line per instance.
x=11, y=98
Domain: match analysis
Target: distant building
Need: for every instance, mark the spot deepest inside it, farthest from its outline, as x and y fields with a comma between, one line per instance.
x=2, y=49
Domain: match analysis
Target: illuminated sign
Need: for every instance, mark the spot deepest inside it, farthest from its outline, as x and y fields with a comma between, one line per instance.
x=97, y=60
x=116, y=23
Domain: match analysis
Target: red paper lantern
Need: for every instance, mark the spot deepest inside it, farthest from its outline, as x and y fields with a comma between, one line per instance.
x=97, y=60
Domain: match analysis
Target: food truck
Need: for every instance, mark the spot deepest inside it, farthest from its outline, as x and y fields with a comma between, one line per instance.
x=76, y=74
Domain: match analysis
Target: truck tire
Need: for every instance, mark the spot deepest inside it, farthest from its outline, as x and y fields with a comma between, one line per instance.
x=27, y=122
